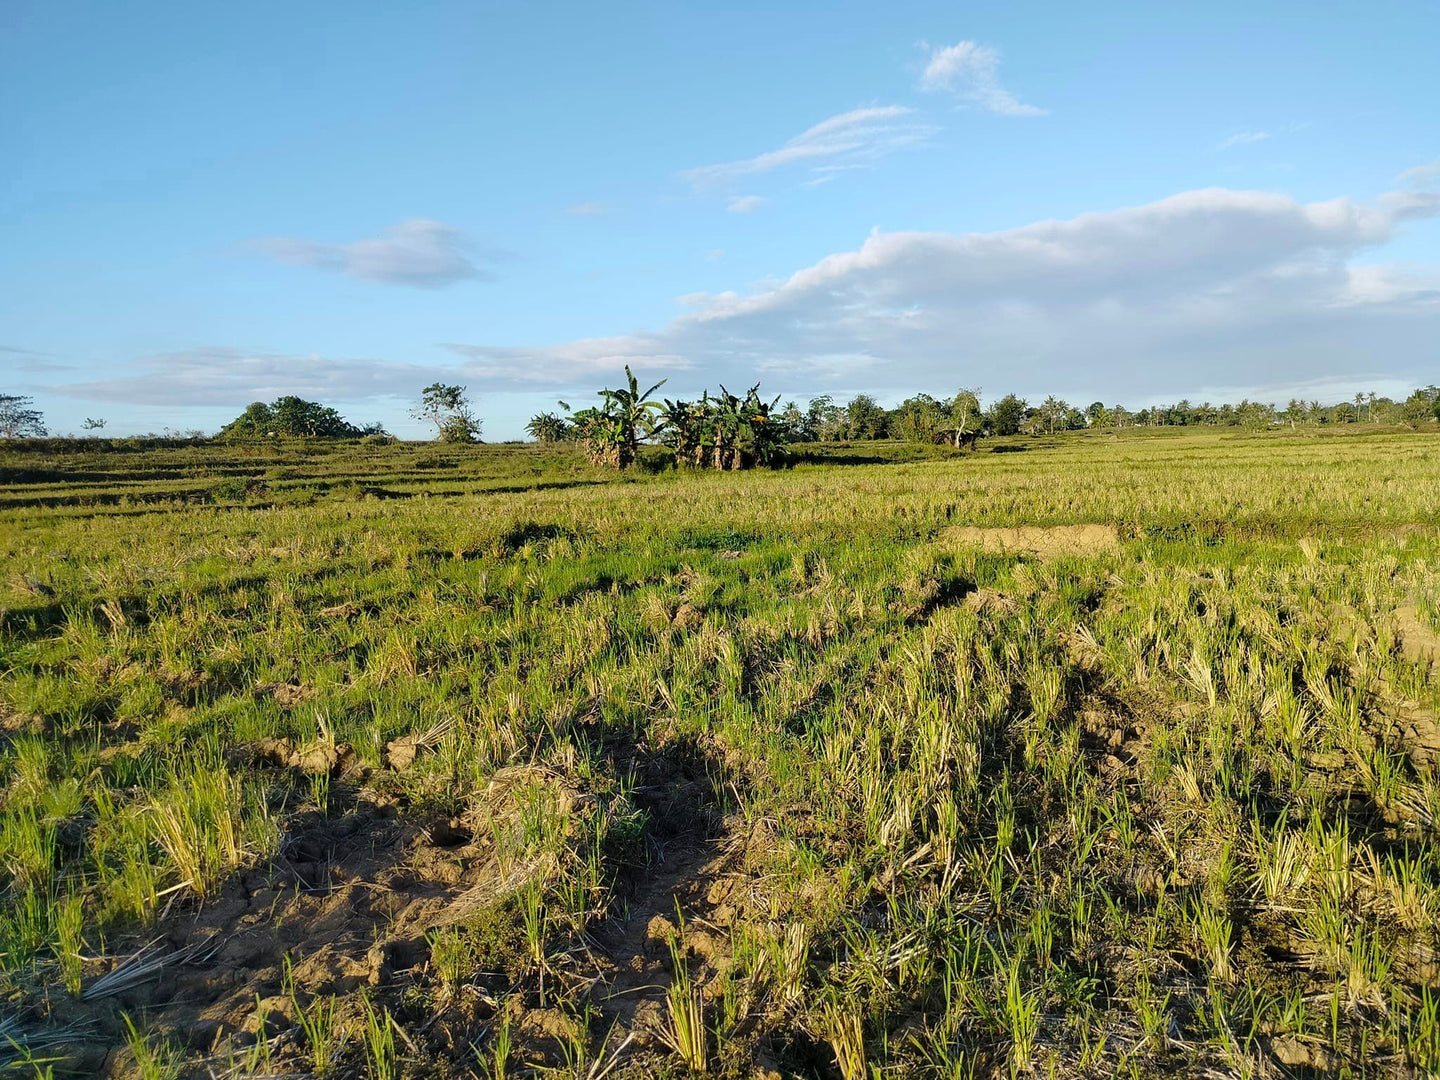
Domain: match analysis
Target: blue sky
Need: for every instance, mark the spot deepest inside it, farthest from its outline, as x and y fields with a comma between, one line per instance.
x=202, y=205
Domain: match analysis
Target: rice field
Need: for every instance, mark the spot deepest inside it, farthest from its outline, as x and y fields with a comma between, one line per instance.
x=1083, y=756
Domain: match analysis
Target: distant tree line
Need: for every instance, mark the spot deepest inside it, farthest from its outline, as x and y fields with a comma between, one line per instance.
x=726, y=431
x=924, y=418
x=1365, y=408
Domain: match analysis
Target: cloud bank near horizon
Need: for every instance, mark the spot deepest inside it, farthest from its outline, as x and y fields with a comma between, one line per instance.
x=1205, y=288
x=233, y=378
x=1212, y=287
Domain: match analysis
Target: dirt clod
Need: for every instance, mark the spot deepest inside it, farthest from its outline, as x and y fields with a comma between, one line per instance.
x=400, y=753
x=687, y=617
x=1418, y=641
x=316, y=758
x=1420, y=732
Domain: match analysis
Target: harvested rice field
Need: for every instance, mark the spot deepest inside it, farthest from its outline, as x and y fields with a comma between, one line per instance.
x=1080, y=756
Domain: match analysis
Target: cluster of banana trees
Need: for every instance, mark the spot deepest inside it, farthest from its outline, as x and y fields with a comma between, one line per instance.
x=546, y=427
x=724, y=431
x=719, y=432
x=611, y=431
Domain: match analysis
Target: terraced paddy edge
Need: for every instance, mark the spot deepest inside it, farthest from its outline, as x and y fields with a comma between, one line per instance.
x=1085, y=757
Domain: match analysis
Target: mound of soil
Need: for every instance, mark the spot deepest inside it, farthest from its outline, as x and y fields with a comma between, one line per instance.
x=1053, y=542
x=349, y=906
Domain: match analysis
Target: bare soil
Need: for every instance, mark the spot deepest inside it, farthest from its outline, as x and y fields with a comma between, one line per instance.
x=1052, y=542
x=350, y=902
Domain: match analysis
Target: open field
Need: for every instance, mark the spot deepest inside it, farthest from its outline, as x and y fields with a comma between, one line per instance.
x=1083, y=756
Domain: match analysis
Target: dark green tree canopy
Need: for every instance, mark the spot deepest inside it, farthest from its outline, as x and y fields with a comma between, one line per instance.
x=294, y=417
x=864, y=418
x=1007, y=415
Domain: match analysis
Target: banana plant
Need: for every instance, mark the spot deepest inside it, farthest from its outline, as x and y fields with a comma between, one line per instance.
x=685, y=425
x=611, y=433
x=724, y=431
x=546, y=427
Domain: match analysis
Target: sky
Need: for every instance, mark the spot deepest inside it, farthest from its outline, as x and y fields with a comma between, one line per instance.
x=204, y=205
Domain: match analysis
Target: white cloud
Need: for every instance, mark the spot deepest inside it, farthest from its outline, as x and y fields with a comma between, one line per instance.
x=852, y=138
x=971, y=72
x=1422, y=176
x=744, y=204
x=420, y=253
x=1243, y=138
x=1211, y=287
x=234, y=377
x=1393, y=285
x=588, y=209
x=570, y=364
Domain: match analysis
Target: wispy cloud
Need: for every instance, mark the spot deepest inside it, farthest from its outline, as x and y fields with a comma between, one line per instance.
x=971, y=72
x=1422, y=176
x=744, y=204
x=419, y=253
x=235, y=377
x=1242, y=138
x=570, y=364
x=588, y=209
x=30, y=360
x=1420, y=199
x=853, y=138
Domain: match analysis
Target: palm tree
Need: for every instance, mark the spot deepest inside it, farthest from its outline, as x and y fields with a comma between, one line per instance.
x=1052, y=411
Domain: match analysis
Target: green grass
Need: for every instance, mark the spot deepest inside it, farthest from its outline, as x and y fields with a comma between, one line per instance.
x=1151, y=809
